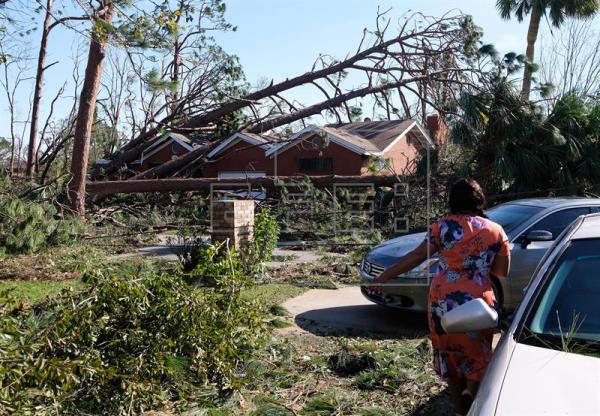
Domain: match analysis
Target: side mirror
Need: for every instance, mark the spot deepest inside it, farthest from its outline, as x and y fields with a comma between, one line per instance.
x=539, y=235
x=474, y=315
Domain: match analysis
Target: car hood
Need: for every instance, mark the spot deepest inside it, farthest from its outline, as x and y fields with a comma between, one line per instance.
x=542, y=381
x=389, y=251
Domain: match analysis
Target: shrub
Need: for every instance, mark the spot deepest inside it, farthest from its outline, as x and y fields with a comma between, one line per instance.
x=266, y=235
x=133, y=340
x=187, y=246
x=27, y=227
x=260, y=249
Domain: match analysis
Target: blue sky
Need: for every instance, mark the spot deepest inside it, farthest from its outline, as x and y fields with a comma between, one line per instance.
x=281, y=38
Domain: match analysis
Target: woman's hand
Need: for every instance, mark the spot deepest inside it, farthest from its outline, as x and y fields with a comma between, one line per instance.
x=406, y=263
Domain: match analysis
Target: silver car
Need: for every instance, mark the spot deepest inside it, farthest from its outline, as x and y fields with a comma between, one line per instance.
x=548, y=361
x=532, y=225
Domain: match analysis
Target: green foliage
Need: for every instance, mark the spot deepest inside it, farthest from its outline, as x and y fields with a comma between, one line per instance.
x=28, y=226
x=155, y=83
x=555, y=10
x=132, y=340
x=266, y=235
x=189, y=247
x=513, y=144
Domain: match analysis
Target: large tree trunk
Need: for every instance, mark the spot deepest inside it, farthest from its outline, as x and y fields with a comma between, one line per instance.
x=206, y=184
x=532, y=34
x=85, y=114
x=37, y=95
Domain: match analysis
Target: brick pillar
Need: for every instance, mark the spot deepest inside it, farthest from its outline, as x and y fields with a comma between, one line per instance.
x=233, y=220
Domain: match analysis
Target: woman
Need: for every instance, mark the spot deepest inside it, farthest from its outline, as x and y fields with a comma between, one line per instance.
x=470, y=248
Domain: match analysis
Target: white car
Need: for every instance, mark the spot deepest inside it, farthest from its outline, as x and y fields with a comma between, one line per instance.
x=548, y=361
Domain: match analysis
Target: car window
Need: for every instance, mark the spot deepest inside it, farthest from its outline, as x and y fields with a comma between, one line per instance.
x=566, y=313
x=558, y=221
x=510, y=216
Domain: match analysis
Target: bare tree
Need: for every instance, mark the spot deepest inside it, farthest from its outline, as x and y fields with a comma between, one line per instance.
x=49, y=23
x=11, y=80
x=57, y=136
x=570, y=58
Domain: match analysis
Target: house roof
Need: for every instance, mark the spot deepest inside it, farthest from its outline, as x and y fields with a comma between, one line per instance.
x=264, y=141
x=161, y=142
x=380, y=134
x=366, y=138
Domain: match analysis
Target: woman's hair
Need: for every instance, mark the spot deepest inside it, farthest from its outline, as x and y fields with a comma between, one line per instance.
x=466, y=195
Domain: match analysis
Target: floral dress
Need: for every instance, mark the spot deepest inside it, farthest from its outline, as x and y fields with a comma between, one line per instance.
x=467, y=247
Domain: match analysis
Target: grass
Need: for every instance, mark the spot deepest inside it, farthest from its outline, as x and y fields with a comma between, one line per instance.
x=283, y=258
x=302, y=374
x=273, y=294
x=35, y=291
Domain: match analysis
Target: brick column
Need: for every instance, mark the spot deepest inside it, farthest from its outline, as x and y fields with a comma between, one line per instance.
x=233, y=220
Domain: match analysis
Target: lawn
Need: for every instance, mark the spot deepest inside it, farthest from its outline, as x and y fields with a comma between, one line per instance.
x=34, y=291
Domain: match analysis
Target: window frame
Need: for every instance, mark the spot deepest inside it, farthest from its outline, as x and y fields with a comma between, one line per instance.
x=556, y=211
x=548, y=267
x=320, y=162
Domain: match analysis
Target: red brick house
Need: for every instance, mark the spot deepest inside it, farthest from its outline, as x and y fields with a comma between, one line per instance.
x=165, y=148
x=351, y=149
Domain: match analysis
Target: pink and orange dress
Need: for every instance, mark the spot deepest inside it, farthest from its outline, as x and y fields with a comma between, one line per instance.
x=467, y=246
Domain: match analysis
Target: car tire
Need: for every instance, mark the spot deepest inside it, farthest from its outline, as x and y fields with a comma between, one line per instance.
x=497, y=289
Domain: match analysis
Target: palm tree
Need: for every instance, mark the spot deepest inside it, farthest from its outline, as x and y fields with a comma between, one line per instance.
x=512, y=144
x=556, y=10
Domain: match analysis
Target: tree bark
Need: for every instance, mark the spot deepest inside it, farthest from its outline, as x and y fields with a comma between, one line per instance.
x=85, y=114
x=532, y=34
x=205, y=184
x=37, y=94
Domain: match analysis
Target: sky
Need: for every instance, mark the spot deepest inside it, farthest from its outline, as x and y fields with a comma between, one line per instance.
x=277, y=39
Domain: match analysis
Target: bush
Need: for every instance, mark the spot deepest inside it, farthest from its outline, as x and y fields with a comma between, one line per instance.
x=266, y=235
x=27, y=227
x=187, y=246
x=260, y=249
x=194, y=252
x=133, y=340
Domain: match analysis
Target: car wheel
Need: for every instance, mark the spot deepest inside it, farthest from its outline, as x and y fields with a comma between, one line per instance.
x=498, y=294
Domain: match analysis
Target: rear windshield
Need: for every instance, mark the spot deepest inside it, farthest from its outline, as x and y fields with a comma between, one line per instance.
x=566, y=313
x=510, y=216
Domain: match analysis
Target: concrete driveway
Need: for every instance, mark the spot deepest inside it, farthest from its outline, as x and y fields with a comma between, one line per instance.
x=346, y=312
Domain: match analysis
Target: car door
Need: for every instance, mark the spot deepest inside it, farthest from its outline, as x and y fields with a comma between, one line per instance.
x=525, y=255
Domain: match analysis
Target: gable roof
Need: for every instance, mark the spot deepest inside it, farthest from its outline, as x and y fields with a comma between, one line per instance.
x=365, y=138
x=263, y=141
x=164, y=141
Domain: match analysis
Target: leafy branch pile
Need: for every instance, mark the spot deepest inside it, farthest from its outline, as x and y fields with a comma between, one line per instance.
x=133, y=340
x=29, y=226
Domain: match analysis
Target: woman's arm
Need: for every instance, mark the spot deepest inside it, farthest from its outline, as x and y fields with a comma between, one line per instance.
x=407, y=263
x=501, y=265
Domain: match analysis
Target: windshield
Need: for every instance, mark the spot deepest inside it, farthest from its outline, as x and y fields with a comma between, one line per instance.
x=566, y=314
x=510, y=216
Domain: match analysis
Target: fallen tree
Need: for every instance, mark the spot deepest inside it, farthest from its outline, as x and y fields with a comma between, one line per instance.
x=208, y=184
x=427, y=62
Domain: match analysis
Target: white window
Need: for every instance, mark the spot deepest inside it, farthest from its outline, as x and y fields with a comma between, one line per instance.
x=233, y=175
